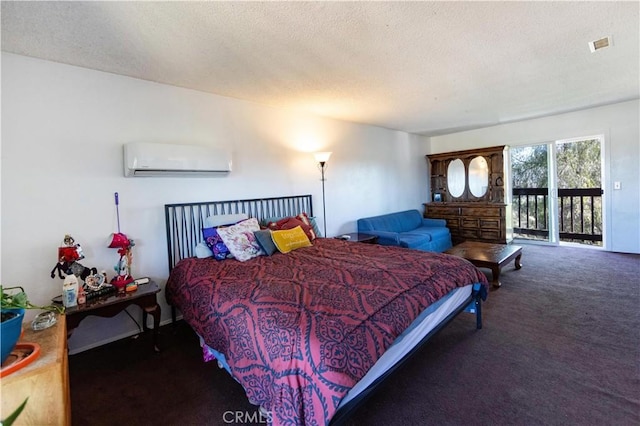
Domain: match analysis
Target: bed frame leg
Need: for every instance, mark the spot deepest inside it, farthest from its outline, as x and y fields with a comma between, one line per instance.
x=479, y=294
x=478, y=303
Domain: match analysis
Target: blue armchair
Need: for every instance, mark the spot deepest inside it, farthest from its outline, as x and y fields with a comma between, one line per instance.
x=408, y=229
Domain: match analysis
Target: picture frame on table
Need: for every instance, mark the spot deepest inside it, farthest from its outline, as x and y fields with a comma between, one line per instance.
x=437, y=197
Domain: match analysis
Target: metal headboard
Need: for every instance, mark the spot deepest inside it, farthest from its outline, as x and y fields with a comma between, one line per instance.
x=185, y=221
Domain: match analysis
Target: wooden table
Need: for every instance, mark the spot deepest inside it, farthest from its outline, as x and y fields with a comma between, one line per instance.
x=487, y=255
x=144, y=297
x=45, y=380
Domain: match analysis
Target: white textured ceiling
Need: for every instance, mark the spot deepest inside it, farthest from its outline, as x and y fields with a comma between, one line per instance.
x=421, y=67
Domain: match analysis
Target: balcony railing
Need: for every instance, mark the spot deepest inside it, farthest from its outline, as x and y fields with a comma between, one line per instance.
x=579, y=214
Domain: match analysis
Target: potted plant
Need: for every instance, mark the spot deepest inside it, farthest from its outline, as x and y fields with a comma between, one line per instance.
x=13, y=303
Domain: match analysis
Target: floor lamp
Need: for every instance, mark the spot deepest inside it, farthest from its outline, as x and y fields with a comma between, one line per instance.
x=322, y=158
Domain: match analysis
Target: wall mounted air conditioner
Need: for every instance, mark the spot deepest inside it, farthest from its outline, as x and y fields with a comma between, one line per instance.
x=160, y=159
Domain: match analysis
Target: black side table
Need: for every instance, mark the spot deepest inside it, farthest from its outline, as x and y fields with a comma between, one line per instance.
x=144, y=296
x=359, y=238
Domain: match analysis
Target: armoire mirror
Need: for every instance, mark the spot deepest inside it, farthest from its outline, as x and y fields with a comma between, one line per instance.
x=478, y=176
x=456, y=178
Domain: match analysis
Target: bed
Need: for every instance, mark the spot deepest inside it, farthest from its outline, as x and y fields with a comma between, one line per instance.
x=310, y=334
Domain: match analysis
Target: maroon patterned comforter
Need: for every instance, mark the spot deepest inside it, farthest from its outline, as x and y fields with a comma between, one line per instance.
x=300, y=329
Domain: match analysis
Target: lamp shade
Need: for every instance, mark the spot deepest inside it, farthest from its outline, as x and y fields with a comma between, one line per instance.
x=118, y=240
x=322, y=157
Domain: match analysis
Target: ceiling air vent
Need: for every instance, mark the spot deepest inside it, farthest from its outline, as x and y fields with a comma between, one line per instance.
x=600, y=44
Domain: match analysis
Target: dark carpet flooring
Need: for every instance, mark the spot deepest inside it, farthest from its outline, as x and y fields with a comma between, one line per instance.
x=560, y=346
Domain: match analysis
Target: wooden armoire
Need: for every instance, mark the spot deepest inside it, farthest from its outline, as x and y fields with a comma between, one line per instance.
x=469, y=190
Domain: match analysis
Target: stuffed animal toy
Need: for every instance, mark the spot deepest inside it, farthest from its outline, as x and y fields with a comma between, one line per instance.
x=123, y=267
x=68, y=254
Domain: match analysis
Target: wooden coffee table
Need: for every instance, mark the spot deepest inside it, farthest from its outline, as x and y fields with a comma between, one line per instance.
x=486, y=255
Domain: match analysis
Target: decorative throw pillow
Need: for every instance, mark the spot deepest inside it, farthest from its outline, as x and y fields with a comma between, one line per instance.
x=290, y=239
x=312, y=233
x=263, y=237
x=217, y=220
x=302, y=220
x=203, y=251
x=240, y=240
x=314, y=226
x=215, y=243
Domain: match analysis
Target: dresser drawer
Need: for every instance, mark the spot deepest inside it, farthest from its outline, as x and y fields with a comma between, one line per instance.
x=432, y=211
x=470, y=233
x=469, y=222
x=490, y=223
x=484, y=211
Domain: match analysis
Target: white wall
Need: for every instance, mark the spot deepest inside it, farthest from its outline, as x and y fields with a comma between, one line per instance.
x=63, y=128
x=619, y=123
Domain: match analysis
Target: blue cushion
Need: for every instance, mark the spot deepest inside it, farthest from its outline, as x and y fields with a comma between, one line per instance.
x=263, y=237
x=419, y=233
x=432, y=233
x=397, y=222
x=438, y=232
x=413, y=240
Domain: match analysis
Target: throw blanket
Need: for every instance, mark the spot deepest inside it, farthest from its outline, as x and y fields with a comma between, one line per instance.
x=298, y=330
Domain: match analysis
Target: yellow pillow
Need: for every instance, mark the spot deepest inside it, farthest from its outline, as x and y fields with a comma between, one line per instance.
x=290, y=239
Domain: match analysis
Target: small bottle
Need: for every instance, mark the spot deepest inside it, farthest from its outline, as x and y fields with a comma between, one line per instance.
x=70, y=291
x=82, y=296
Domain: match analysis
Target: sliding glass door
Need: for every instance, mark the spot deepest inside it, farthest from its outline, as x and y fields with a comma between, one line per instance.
x=530, y=175
x=579, y=177
x=557, y=191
